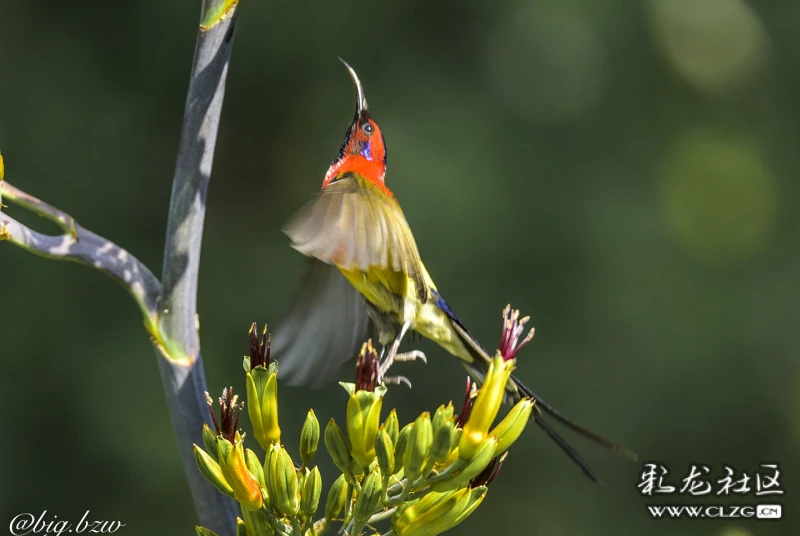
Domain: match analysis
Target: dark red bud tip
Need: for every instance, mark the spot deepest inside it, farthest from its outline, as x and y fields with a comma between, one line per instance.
x=210, y=403
x=259, y=349
x=487, y=476
x=367, y=368
x=466, y=407
x=230, y=410
x=513, y=326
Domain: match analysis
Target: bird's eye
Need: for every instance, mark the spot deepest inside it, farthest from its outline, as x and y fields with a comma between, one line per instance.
x=368, y=128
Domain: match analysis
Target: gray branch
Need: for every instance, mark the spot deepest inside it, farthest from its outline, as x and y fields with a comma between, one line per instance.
x=170, y=311
x=83, y=246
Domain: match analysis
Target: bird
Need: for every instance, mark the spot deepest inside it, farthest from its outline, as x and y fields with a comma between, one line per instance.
x=365, y=275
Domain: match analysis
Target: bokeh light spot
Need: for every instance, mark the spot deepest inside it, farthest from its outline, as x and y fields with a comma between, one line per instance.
x=546, y=62
x=716, y=45
x=735, y=531
x=718, y=196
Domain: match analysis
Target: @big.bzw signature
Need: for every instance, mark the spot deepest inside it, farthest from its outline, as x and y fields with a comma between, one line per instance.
x=29, y=524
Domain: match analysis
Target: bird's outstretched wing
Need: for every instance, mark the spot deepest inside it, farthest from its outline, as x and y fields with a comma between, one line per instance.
x=357, y=226
x=324, y=328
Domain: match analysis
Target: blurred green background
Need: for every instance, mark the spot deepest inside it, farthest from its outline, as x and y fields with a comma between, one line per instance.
x=624, y=172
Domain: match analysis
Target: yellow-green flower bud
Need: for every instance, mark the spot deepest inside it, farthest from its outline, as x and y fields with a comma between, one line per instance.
x=254, y=466
x=202, y=531
x=486, y=406
x=416, y=518
x=443, y=414
x=262, y=405
x=392, y=426
x=312, y=489
x=212, y=471
x=337, y=496
x=309, y=437
x=384, y=451
x=337, y=448
x=418, y=447
x=241, y=527
x=234, y=468
x=473, y=467
x=363, y=419
x=287, y=494
x=442, y=515
x=368, y=500
x=512, y=425
x=476, y=496
x=442, y=441
x=2, y=169
x=400, y=446
x=210, y=441
x=270, y=467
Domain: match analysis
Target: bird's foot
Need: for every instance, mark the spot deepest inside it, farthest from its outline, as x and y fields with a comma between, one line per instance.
x=413, y=355
x=393, y=357
x=396, y=380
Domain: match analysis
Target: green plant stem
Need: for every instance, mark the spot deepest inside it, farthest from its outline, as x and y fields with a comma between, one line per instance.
x=381, y=516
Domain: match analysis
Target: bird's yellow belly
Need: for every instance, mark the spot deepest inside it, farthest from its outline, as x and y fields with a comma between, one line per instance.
x=384, y=289
x=395, y=294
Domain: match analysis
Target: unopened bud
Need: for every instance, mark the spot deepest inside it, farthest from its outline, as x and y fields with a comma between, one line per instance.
x=363, y=419
x=512, y=425
x=210, y=441
x=443, y=414
x=442, y=441
x=368, y=499
x=337, y=496
x=210, y=469
x=418, y=447
x=384, y=451
x=412, y=518
x=270, y=467
x=309, y=437
x=202, y=531
x=287, y=499
x=400, y=446
x=392, y=426
x=486, y=406
x=254, y=466
x=337, y=448
x=437, y=515
x=312, y=489
x=476, y=496
x=262, y=405
x=246, y=489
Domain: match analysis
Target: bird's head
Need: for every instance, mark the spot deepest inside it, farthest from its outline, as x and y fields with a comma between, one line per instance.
x=363, y=150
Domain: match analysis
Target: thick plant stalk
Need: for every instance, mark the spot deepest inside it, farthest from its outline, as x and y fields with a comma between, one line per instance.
x=179, y=360
x=169, y=309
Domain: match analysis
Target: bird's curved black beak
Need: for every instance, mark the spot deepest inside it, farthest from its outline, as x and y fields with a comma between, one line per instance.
x=361, y=102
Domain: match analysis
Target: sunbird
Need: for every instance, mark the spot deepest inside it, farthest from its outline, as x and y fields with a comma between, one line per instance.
x=365, y=269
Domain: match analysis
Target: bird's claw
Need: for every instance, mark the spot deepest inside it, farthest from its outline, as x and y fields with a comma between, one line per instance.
x=413, y=355
x=397, y=380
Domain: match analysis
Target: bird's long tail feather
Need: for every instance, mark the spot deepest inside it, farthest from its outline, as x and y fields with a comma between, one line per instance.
x=478, y=367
